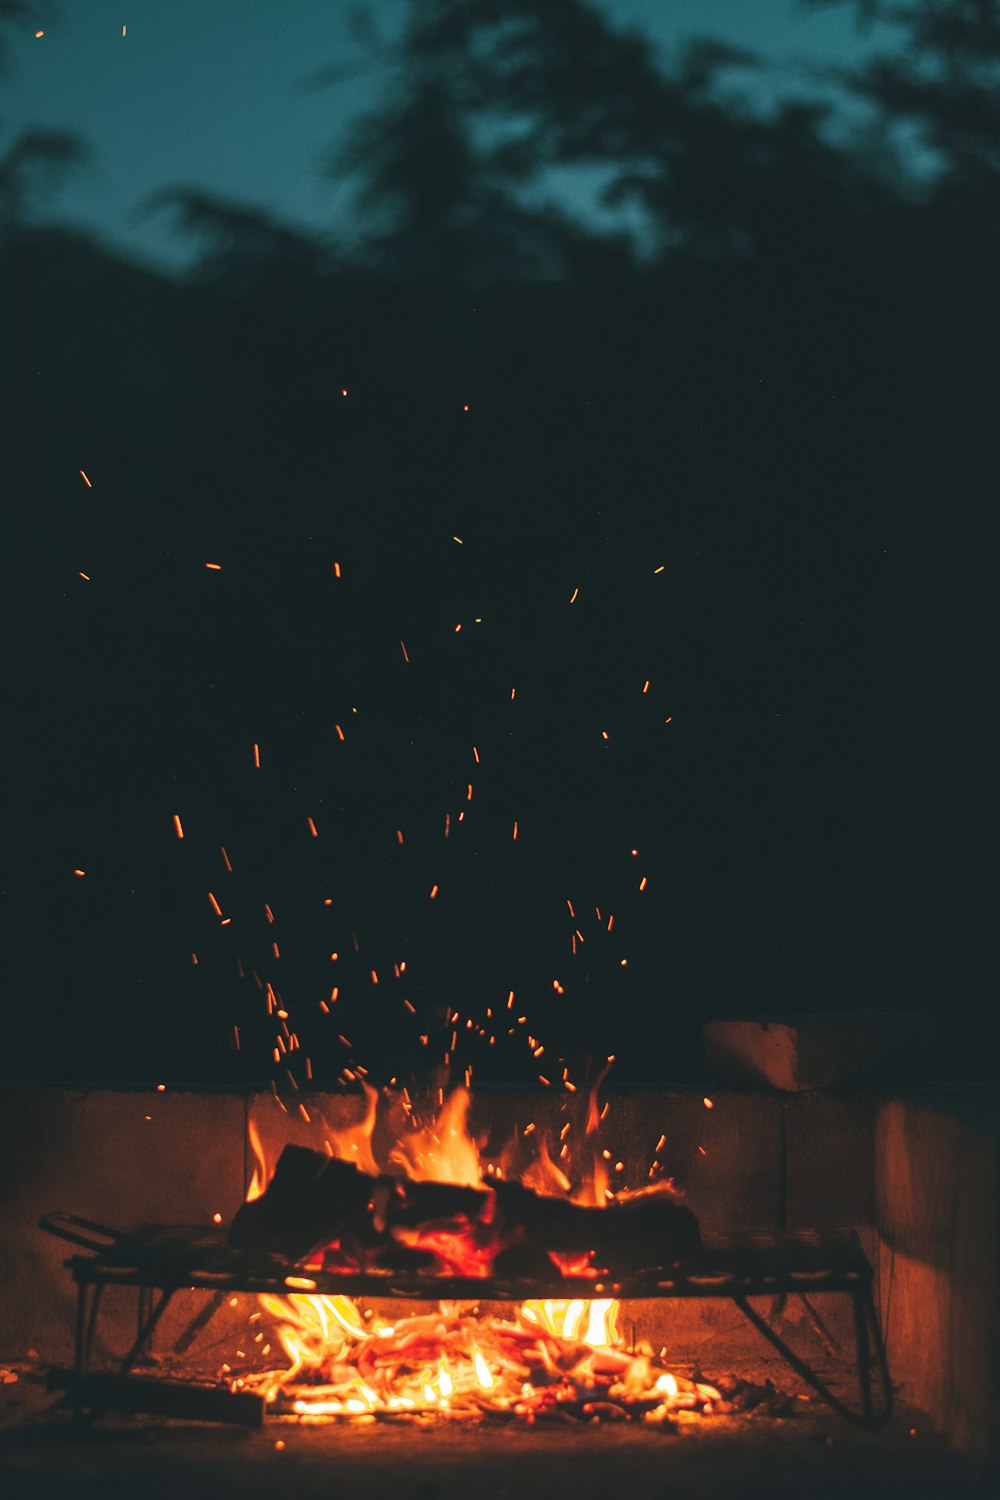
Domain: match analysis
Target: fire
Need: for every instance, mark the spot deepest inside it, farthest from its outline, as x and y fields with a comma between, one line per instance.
x=551, y=1356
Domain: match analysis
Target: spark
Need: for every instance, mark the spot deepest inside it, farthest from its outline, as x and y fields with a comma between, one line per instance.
x=475, y=754
x=225, y=857
x=79, y=872
x=708, y=1103
x=645, y=686
x=434, y=891
x=514, y=834
x=340, y=732
x=39, y=35
x=643, y=883
x=256, y=756
x=336, y=570
x=82, y=474
x=214, y=567
x=85, y=577
x=399, y=835
x=178, y=825
x=458, y=539
x=402, y=646
x=215, y=905
x=312, y=828
x=573, y=596
x=660, y=568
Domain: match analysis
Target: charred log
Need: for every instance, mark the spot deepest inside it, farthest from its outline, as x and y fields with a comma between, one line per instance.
x=317, y=1204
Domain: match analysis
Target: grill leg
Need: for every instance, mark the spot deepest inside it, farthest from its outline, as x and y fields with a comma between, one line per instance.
x=80, y=1350
x=863, y=1353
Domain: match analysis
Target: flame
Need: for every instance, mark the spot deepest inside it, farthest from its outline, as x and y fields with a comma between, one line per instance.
x=340, y=1363
x=563, y=1320
x=260, y=1174
x=442, y=1151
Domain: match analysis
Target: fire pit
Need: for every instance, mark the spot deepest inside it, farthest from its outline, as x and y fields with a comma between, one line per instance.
x=324, y=1231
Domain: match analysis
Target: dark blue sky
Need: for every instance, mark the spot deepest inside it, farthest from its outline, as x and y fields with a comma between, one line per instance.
x=208, y=93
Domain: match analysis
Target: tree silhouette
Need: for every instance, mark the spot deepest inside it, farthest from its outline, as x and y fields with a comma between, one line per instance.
x=490, y=98
x=946, y=82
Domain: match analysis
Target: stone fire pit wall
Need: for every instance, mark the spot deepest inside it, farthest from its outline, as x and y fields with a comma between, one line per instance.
x=917, y=1179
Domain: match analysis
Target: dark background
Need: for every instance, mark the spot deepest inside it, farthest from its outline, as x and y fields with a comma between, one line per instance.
x=757, y=434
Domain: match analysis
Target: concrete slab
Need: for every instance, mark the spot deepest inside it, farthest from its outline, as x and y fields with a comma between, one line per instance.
x=119, y=1157
x=936, y=1183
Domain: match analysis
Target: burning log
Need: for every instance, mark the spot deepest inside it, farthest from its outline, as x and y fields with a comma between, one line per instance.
x=319, y=1204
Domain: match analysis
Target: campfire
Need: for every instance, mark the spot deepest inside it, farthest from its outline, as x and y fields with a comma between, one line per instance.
x=438, y=1211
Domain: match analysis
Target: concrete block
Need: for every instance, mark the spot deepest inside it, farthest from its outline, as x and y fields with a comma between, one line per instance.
x=121, y=1158
x=792, y=1053
x=936, y=1184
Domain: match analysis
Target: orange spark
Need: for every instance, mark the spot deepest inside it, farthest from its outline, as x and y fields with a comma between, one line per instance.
x=572, y=599
x=645, y=686
x=79, y=872
x=256, y=756
x=225, y=857
x=642, y=883
x=214, y=567
x=215, y=905
x=475, y=753
x=85, y=577
x=708, y=1103
x=312, y=828
x=403, y=647
x=434, y=891
x=399, y=835
x=514, y=835
x=178, y=825
x=336, y=570
x=82, y=474
x=340, y=732
x=660, y=568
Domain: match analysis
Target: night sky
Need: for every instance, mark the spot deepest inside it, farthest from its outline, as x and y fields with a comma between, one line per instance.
x=224, y=96
x=417, y=655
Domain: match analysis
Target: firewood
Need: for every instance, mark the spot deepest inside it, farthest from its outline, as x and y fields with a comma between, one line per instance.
x=314, y=1201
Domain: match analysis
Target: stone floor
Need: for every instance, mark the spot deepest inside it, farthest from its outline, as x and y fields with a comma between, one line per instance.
x=757, y=1457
